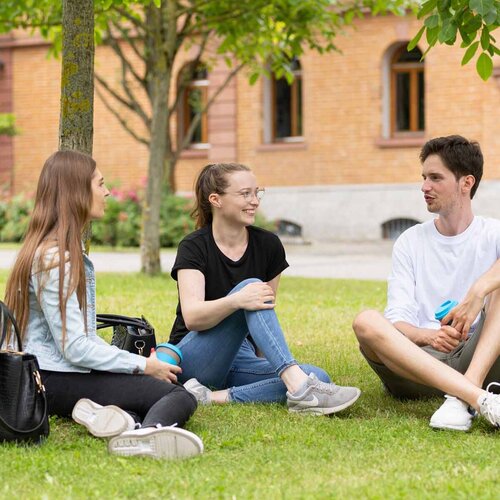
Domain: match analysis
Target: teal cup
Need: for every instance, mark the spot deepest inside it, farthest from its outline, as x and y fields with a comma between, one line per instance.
x=169, y=353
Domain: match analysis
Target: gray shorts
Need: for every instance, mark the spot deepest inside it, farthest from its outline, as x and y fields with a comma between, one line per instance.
x=459, y=359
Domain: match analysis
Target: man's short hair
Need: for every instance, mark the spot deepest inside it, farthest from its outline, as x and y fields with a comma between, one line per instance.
x=460, y=156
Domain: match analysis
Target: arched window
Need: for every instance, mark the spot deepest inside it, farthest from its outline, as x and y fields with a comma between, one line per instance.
x=287, y=106
x=407, y=91
x=193, y=100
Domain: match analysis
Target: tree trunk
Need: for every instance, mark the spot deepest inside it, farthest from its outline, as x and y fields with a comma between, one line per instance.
x=159, y=85
x=77, y=77
x=76, y=122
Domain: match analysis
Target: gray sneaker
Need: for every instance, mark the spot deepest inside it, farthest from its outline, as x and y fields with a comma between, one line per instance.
x=320, y=398
x=489, y=407
x=199, y=391
x=102, y=421
x=157, y=442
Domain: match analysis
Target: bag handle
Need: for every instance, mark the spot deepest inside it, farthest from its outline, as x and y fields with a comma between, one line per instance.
x=5, y=315
x=107, y=320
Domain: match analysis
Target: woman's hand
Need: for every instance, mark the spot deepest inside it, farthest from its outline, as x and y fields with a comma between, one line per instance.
x=463, y=315
x=255, y=296
x=161, y=370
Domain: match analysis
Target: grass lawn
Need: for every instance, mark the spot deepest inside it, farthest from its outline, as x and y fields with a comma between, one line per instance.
x=380, y=448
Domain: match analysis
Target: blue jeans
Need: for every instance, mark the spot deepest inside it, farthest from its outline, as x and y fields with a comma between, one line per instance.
x=222, y=357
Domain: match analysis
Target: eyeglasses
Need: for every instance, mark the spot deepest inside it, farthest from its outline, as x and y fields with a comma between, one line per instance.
x=248, y=194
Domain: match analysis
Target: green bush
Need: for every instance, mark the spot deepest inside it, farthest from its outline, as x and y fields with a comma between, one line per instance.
x=121, y=224
x=14, y=218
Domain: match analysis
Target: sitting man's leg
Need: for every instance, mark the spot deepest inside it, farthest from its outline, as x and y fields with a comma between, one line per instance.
x=479, y=361
x=383, y=343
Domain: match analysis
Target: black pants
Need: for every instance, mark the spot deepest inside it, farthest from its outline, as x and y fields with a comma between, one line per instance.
x=149, y=400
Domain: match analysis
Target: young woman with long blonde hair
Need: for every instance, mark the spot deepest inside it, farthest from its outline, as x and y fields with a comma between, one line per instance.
x=51, y=291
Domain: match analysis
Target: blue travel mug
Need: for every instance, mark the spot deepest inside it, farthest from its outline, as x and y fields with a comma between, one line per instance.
x=169, y=353
x=444, y=309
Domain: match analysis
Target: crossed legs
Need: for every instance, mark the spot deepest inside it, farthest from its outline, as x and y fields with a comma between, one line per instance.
x=382, y=343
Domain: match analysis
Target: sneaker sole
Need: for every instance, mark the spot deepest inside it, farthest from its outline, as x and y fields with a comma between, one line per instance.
x=100, y=421
x=447, y=427
x=167, y=443
x=315, y=410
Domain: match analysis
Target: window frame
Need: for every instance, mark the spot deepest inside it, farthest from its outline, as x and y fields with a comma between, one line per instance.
x=414, y=69
x=295, y=109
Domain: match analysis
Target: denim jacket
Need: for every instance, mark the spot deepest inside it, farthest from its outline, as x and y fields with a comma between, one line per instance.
x=82, y=351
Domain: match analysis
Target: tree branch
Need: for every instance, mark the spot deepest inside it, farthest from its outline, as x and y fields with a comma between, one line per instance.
x=133, y=106
x=126, y=64
x=122, y=121
x=196, y=120
x=187, y=77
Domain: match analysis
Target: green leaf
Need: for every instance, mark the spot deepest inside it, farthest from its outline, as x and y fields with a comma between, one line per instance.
x=474, y=24
x=432, y=36
x=253, y=78
x=482, y=7
x=432, y=21
x=469, y=53
x=484, y=66
x=485, y=38
x=157, y=3
x=467, y=39
x=490, y=18
x=443, y=5
x=448, y=33
x=414, y=41
x=427, y=7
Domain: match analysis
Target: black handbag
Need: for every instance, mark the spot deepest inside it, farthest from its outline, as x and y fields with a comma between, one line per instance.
x=134, y=335
x=23, y=403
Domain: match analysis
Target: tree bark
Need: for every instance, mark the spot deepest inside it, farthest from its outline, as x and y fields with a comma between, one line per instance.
x=77, y=83
x=160, y=59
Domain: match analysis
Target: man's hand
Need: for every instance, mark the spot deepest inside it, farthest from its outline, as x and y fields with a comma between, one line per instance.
x=463, y=315
x=445, y=339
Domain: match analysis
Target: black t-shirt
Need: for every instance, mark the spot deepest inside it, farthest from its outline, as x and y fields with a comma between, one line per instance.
x=264, y=258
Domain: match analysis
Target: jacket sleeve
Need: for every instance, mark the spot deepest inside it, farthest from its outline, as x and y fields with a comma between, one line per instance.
x=78, y=348
x=401, y=300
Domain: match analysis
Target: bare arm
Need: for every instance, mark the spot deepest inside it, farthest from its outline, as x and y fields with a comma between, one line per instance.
x=200, y=314
x=444, y=339
x=463, y=315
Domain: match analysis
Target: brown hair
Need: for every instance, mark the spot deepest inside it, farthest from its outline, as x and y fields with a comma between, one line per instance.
x=460, y=156
x=62, y=207
x=212, y=179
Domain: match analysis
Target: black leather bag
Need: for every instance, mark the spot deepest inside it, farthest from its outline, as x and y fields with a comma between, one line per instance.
x=23, y=404
x=134, y=335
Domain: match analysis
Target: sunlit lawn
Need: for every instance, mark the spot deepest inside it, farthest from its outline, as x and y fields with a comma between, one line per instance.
x=380, y=448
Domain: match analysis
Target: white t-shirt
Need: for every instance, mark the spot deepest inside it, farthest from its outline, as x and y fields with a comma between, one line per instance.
x=429, y=268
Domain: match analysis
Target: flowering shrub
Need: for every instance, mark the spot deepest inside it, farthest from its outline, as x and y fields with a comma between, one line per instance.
x=121, y=224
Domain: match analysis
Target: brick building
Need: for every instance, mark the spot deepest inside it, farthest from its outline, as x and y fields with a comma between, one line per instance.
x=337, y=150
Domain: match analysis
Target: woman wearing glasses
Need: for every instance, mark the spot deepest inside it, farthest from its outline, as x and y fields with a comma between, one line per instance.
x=228, y=273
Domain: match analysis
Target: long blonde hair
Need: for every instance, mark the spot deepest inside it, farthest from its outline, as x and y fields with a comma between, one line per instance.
x=62, y=207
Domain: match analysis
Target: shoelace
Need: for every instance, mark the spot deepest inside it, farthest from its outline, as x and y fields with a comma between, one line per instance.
x=490, y=407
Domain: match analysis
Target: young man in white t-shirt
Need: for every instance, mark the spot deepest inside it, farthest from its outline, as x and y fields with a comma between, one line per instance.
x=453, y=257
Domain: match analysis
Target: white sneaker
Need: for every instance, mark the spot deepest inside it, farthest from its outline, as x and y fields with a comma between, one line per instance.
x=157, y=442
x=202, y=394
x=489, y=406
x=102, y=421
x=453, y=414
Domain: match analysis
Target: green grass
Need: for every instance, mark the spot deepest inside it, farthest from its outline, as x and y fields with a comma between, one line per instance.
x=380, y=448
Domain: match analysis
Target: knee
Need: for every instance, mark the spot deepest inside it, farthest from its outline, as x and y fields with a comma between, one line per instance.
x=363, y=325
x=184, y=399
x=246, y=282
